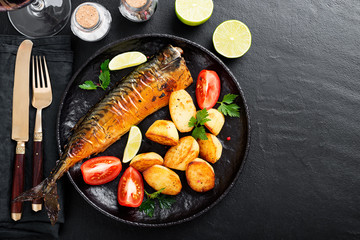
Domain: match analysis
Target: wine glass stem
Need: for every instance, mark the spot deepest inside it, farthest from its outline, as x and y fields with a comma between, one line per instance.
x=37, y=5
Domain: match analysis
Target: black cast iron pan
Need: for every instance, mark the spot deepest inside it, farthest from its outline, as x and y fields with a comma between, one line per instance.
x=189, y=204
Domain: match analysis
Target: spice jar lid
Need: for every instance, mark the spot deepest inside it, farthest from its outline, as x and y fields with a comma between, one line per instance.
x=90, y=21
x=136, y=3
x=87, y=16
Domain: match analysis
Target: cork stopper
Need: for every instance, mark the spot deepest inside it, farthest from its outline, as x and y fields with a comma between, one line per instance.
x=87, y=16
x=136, y=3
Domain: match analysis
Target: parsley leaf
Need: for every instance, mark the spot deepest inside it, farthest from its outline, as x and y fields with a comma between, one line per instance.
x=88, y=85
x=199, y=132
x=104, y=78
x=165, y=201
x=227, y=107
x=154, y=194
x=192, y=122
x=201, y=116
x=198, y=122
x=148, y=206
x=105, y=65
x=229, y=98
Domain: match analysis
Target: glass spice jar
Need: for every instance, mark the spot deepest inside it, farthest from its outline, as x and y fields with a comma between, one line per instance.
x=138, y=10
x=90, y=21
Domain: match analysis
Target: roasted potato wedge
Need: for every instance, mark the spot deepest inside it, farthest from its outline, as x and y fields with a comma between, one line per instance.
x=179, y=156
x=163, y=132
x=181, y=108
x=216, y=122
x=200, y=175
x=159, y=177
x=143, y=161
x=210, y=149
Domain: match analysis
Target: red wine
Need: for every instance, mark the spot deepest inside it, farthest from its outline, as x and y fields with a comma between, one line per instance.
x=6, y=5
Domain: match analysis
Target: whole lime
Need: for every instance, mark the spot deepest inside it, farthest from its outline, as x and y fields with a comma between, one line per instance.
x=232, y=39
x=193, y=12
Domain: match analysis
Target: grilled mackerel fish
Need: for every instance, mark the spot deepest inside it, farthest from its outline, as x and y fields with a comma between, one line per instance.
x=136, y=96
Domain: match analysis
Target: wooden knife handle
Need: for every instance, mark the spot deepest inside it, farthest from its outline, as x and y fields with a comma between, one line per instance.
x=37, y=167
x=18, y=180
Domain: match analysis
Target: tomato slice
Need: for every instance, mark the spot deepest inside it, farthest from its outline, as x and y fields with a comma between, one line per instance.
x=131, y=188
x=100, y=170
x=207, y=89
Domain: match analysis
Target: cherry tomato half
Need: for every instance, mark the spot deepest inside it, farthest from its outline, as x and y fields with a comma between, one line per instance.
x=131, y=188
x=100, y=170
x=207, y=89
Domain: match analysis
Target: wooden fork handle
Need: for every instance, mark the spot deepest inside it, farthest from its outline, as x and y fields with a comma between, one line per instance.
x=37, y=171
x=18, y=181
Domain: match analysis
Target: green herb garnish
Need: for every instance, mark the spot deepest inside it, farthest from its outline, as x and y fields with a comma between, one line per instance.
x=88, y=85
x=198, y=123
x=104, y=78
x=148, y=206
x=227, y=107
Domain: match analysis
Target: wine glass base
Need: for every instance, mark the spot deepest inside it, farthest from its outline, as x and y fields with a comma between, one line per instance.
x=45, y=23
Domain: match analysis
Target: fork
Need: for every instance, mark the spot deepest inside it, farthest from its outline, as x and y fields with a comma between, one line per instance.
x=42, y=98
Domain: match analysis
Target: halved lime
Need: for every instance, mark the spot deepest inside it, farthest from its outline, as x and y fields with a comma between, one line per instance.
x=127, y=59
x=194, y=12
x=232, y=39
x=133, y=144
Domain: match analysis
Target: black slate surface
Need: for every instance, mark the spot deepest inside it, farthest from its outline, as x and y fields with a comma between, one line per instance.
x=301, y=82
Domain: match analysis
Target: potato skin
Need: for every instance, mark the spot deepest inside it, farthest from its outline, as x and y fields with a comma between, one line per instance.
x=210, y=149
x=143, y=161
x=181, y=108
x=200, y=175
x=159, y=177
x=179, y=156
x=163, y=132
x=216, y=122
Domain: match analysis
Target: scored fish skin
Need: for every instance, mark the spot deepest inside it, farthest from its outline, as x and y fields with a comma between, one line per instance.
x=136, y=96
x=141, y=93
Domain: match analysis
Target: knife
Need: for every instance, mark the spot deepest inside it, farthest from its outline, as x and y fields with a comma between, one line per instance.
x=20, y=122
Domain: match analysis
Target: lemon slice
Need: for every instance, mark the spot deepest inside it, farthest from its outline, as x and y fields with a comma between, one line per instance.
x=133, y=144
x=193, y=12
x=232, y=39
x=127, y=59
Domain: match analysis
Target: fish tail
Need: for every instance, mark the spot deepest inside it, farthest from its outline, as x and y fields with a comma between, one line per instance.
x=47, y=190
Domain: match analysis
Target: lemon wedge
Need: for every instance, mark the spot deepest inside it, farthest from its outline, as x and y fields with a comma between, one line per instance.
x=127, y=59
x=133, y=144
